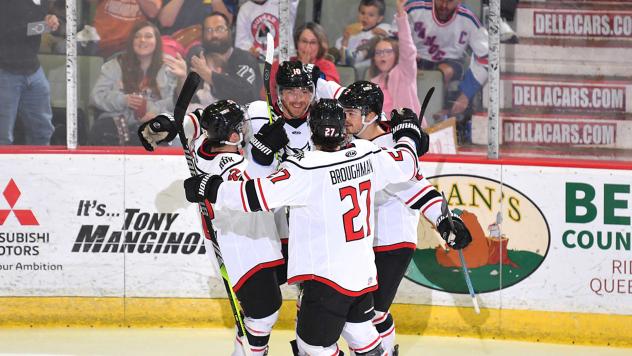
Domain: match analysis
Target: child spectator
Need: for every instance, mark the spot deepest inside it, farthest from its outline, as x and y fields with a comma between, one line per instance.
x=114, y=20
x=353, y=46
x=255, y=19
x=132, y=88
x=394, y=68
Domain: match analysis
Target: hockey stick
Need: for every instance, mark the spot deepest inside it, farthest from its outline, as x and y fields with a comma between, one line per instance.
x=267, y=71
x=188, y=90
x=425, y=104
x=445, y=211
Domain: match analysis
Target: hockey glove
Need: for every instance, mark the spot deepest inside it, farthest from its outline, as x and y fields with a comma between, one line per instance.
x=202, y=186
x=315, y=72
x=161, y=128
x=269, y=140
x=404, y=123
x=457, y=239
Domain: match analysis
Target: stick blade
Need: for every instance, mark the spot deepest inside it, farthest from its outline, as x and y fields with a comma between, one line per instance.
x=269, y=48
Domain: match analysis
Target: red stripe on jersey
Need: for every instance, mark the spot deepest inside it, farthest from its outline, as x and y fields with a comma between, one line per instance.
x=337, y=351
x=337, y=91
x=263, y=198
x=241, y=193
x=418, y=194
x=369, y=346
x=256, y=269
x=437, y=200
x=396, y=246
x=415, y=159
x=332, y=284
x=246, y=175
x=284, y=241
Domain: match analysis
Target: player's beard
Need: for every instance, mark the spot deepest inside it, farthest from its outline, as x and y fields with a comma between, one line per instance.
x=216, y=46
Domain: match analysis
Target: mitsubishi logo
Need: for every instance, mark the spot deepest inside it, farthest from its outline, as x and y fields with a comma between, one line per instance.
x=12, y=194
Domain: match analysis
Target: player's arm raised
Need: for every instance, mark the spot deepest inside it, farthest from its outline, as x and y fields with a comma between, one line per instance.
x=401, y=162
x=282, y=188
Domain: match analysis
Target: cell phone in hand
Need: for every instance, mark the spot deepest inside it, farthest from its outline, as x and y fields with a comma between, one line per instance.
x=37, y=28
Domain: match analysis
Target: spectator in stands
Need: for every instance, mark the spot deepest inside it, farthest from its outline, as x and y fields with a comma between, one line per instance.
x=114, y=20
x=239, y=78
x=353, y=45
x=132, y=88
x=311, y=47
x=24, y=89
x=393, y=66
x=180, y=14
x=255, y=19
x=442, y=31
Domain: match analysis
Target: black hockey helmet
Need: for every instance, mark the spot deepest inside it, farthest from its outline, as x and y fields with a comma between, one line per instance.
x=327, y=123
x=292, y=74
x=221, y=119
x=363, y=95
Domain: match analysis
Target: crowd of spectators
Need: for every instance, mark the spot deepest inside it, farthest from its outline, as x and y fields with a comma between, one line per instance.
x=149, y=46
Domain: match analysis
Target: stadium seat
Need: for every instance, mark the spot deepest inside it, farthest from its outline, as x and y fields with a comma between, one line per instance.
x=426, y=80
x=88, y=70
x=347, y=75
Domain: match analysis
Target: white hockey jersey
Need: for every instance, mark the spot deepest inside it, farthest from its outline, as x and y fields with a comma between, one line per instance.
x=249, y=242
x=331, y=195
x=436, y=41
x=254, y=21
x=397, y=208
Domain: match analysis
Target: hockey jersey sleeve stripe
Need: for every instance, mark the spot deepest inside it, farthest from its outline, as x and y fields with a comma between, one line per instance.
x=463, y=11
x=263, y=198
x=251, y=196
x=425, y=199
x=405, y=147
x=337, y=92
x=418, y=194
x=434, y=201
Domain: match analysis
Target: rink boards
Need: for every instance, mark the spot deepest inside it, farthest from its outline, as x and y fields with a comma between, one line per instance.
x=101, y=238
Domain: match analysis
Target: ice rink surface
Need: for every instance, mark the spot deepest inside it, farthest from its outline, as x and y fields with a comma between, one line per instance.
x=124, y=342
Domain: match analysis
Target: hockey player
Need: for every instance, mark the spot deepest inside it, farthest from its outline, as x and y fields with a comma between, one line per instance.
x=298, y=86
x=331, y=191
x=442, y=30
x=249, y=243
x=397, y=207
